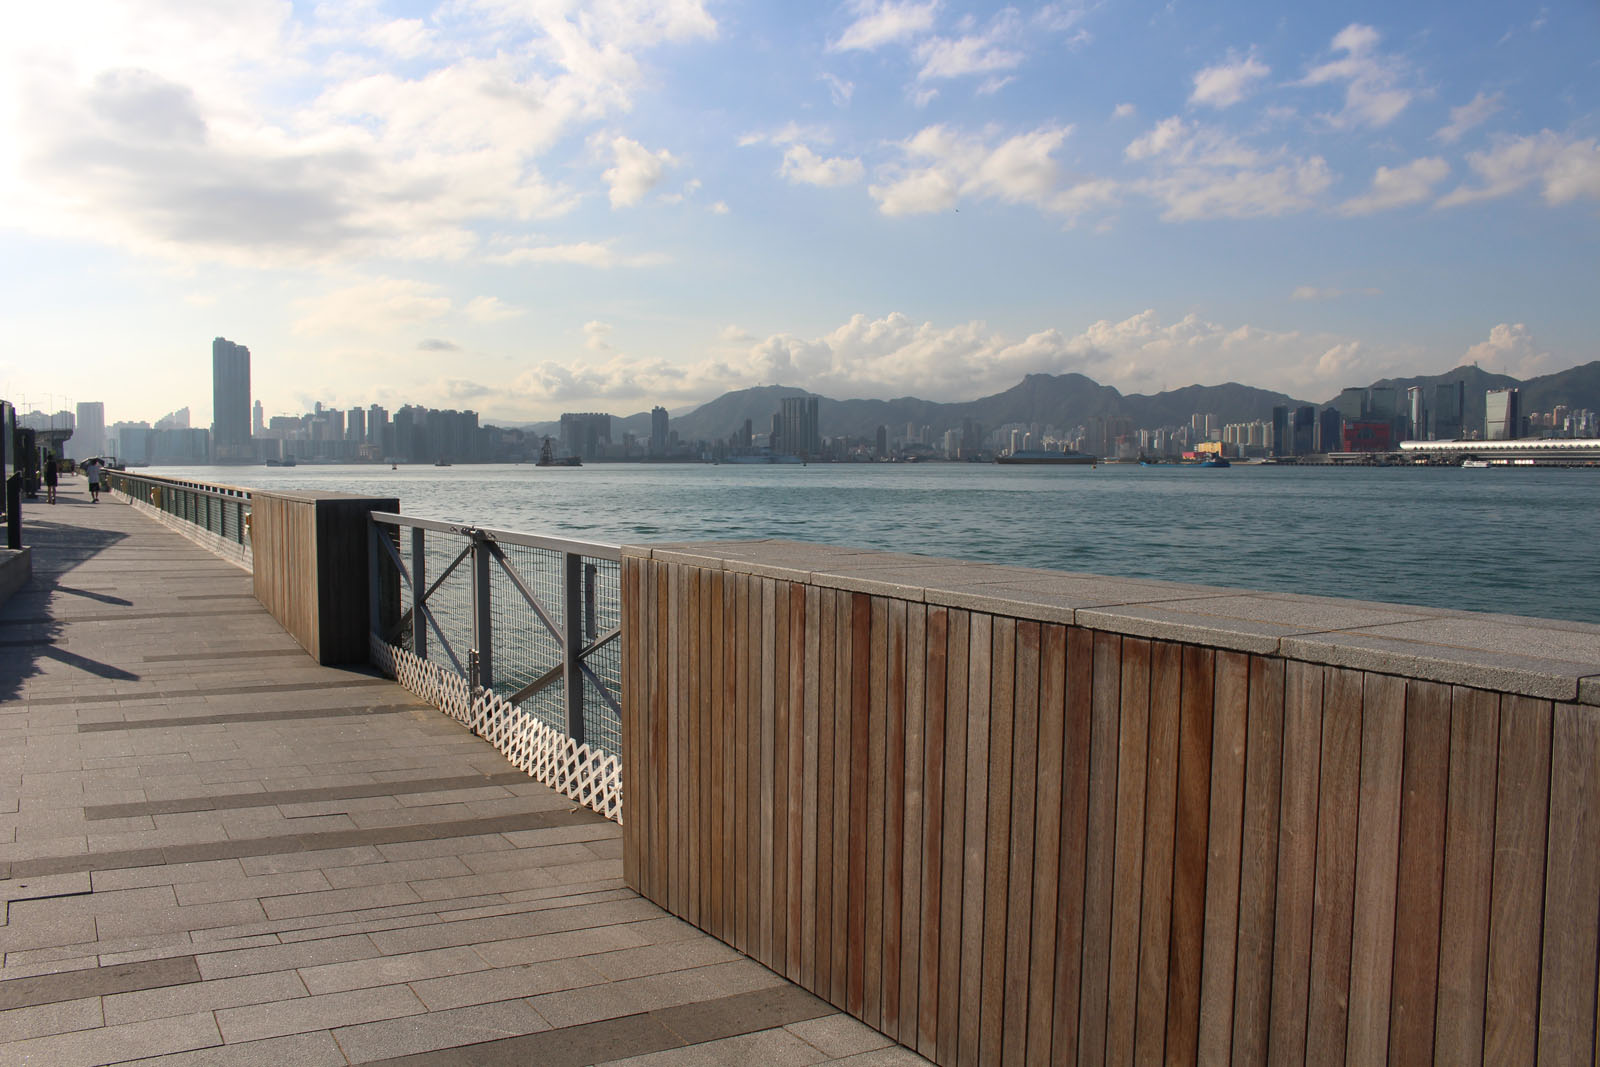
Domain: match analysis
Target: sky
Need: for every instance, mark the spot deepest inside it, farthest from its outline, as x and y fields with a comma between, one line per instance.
x=526, y=207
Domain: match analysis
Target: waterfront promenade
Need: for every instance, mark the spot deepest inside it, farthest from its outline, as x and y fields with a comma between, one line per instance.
x=215, y=851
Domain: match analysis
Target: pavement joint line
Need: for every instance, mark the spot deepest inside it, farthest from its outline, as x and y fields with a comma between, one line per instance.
x=214, y=691
x=290, y=715
x=98, y=981
x=357, y=791
x=129, y=616
x=281, y=844
x=253, y=653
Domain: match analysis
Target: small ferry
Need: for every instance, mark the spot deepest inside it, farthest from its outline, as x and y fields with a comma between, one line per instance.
x=287, y=461
x=1047, y=457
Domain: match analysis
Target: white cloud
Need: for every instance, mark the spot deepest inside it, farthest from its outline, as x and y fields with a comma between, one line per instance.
x=839, y=89
x=1372, y=79
x=941, y=165
x=885, y=22
x=1511, y=350
x=375, y=306
x=803, y=166
x=1312, y=292
x=989, y=52
x=1204, y=173
x=720, y=207
x=598, y=254
x=1468, y=116
x=595, y=336
x=1124, y=111
x=1397, y=187
x=490, y=309
x=1566, y=168
x=636, y=171
x=1228, y=83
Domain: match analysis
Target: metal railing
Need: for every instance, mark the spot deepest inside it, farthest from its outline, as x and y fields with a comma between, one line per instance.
x=221, y=510
x=534, y=621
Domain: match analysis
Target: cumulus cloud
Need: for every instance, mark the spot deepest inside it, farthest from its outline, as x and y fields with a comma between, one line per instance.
x=993, y=50
x=1124, y=111
x=940, y=165
x=1468, y=116
x=637, y=170
x=490, y=309
x=598, y=254
x=1374, y=94
x=803, y=166
x=437, y=344
x=378, y=305
x=1228, y=83
x=595, y=336
x=885, y=22
x=263, y=135
x=1565, y=168
x=1203, y=173
x=1397, y=187
x=1511, y=350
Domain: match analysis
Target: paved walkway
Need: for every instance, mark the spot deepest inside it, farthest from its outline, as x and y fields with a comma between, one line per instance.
x=214, y=851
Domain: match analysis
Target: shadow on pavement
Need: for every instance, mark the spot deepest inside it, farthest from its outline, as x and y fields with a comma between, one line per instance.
x=29, y=631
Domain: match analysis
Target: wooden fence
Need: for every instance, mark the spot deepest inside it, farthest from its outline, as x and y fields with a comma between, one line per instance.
x=1001, y=839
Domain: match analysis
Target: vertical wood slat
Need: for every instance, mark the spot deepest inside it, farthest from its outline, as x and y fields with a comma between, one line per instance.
x=693, y=755
x=1383, y=707
x=675, y=776
x=1047, y=841
x=954, y=853
x=778, y=843
x=1161, y=828
x=1334, y=893
x=741, y=739
x=894, y=816
x=754, y=760
x=1258, y=849
x=811, y=756
x=1072, y=871
x=974, y=836
x=765, y=892
x=1567, y=979
x=1187, y=938
x=732, y=715
x=1104, y=698
x=1024, y=791
x=1133, y=748
x=877, y=745
x=797, y=766
x=1521, y=823
x=1229, y=727
x=911, y=900
x=1424, y=779
x=1468, y=876
x=712, y=859
x=827, y=702
x=1297, y=837
x=631, y=749
x=843, y=774
x=932, y=906
x=997, y=872
x=860, y=773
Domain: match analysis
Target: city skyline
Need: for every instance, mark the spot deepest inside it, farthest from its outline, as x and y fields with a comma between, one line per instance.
x=544, y=210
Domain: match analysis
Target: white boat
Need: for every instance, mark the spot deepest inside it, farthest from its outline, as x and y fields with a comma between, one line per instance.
x=1475, y=463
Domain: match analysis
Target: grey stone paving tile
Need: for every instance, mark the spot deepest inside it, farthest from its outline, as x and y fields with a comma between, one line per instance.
x=506, y=983
x=345, y=928
x=526, y=857
x=472, y=931
x=646, y=960
x=568, y=943
x=233, y=962
x=19, y=1024
x=316, y=1049
x=117, y=901
x=391, y=970
x=198, y=917
x=246, y=888
x=203, y=996
x=52, y=885
x=440, y=889
x=56, y=965
x=532, y=900
x=438, y=1030
x=571, y=1047
x=772, y=1048
x=162, y=944
x=317, y=1013
x=452, y=846
x=113, y=1044
x=318, y=859
x=166, y=874
x=401, y=871
x=892, y=1056
x=47, y=933
x=337, y=900
x=839, y=1035
x=613, y=999
x=195, y=944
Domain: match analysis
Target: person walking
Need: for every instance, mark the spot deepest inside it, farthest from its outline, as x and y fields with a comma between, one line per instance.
x=91, y=471
x=51, y=476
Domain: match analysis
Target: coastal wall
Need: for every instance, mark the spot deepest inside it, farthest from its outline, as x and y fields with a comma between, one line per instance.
x=1028, y=816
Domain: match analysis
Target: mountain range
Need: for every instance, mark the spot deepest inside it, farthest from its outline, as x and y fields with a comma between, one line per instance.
x=1068, y=400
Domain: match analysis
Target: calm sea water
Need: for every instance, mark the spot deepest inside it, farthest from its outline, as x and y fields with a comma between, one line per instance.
x=1518, y=541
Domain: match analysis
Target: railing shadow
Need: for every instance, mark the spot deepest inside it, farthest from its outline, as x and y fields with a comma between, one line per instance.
x=29, y=630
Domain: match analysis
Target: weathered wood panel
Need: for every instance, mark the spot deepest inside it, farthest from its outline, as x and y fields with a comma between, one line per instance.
x=1005, y=841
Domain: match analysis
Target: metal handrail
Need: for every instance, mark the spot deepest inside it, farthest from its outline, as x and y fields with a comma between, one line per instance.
x=593, y=549
x=223, y=511
x=230, y=492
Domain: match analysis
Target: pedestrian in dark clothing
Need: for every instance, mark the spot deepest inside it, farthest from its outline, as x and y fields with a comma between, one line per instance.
x=51, y=476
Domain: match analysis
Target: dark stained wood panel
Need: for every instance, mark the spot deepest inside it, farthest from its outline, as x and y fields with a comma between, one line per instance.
x=1133, y=748
x=1297, y=854
x=1229, y=726
x=997, y=863
x=1258, y=844
x=1187, y=938
x=1333, y=916
x=1100, y=854
x=1050, y=762
x=1024, y=697
x=1567, y=980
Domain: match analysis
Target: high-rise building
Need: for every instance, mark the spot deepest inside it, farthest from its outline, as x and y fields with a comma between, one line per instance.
x=89, y=436
x=355, y=425
x=1352, y=404
x=377, y=423
x=1501, y=415
x=1305, y=429
x=800, y=433
x=230, y=402
x=1417, y=414
x=583, y=433
x=1330, y=425
x=258, y=419
x=883, y=442
x=658, y=431
x=1449, y=401
x=1282, y=432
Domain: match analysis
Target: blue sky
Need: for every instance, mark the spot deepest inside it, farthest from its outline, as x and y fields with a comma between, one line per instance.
x=533, y=206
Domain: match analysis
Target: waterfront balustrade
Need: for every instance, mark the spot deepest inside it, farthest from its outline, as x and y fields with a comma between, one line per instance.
x=1008, y=815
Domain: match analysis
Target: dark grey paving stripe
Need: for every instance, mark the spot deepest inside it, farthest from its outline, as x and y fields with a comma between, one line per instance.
x=217, y=691
x=229, y=801
x=275, y=846
x=633, y=1035
x=217, y=596
x=27, y=641
x=66, y=620
x=247, y=716
x=254, y=653
x=97, y=982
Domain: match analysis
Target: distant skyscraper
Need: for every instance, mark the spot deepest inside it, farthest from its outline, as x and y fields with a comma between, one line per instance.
x=658, y=431
x=258, y=419
x=1449, y=402
x=377, y=422
x=230, y=402
x=1501, y=415
x=355, y=425
x=1329, y=427
x=1352, y=404
x=1305, y=429
x=89, y=437
x=584, y=433
x=1282, y=431
x=800, y=433
x=1417, y=413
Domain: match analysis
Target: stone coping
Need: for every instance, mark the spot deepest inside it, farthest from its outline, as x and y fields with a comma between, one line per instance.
x=16, y=567
x=1550, y=659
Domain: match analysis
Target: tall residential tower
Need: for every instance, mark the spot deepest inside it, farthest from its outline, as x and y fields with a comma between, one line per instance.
x=230, y=402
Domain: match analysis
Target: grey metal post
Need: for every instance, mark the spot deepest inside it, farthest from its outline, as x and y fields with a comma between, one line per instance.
x=591, y=608
x=482, y=621
x=374, y=620
x=419, y=586
x=572, y=642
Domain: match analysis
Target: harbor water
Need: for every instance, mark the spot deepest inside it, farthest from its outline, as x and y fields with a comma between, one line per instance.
x=1517, y=541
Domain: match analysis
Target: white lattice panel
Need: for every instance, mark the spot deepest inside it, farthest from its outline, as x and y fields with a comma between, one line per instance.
x=592, y=778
